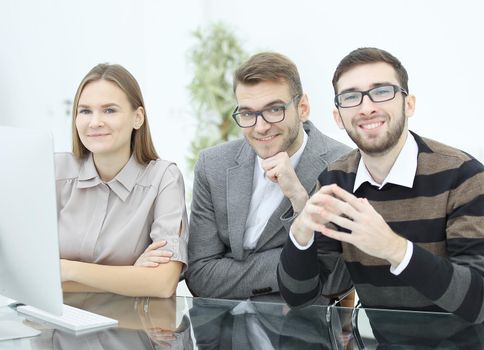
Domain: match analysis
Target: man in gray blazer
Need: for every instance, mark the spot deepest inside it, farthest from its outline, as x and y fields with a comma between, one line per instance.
x=247, y=192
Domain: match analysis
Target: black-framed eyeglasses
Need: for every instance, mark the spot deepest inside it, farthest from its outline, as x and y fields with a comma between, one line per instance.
x=271, y=115
x=378, y=94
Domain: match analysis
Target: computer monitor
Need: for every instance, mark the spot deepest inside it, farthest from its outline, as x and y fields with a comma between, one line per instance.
x=29, y=245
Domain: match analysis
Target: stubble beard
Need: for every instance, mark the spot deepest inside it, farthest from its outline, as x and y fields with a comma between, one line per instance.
x=289, y=140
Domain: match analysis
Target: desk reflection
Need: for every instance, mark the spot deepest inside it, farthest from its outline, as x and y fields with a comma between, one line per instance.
x=196, y=323
x=420, y=330
x=144, y=323
x=252, y=325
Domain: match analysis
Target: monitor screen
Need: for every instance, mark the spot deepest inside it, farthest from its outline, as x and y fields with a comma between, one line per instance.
x=29, y=248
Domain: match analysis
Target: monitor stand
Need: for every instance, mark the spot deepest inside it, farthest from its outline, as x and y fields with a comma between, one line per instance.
x=11, y=325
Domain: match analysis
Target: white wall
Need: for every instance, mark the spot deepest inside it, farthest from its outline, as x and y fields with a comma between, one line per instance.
x=48, y=46
x=439, y=42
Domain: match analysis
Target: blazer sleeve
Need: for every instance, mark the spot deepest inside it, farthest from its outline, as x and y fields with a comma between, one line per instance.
x=212, y=272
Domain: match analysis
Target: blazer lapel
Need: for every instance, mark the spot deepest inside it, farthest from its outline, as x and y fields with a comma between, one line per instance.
x=274, y=224
x=239, y=193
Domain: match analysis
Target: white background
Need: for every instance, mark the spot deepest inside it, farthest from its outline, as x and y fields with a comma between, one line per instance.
x=48, y=46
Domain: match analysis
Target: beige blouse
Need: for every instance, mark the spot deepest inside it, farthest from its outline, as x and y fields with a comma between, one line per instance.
x=112, y=223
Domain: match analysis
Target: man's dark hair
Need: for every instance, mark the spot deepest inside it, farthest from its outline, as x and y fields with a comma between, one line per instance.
x=366, y=55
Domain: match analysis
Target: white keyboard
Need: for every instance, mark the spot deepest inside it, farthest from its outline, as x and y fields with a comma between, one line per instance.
x=72, y=318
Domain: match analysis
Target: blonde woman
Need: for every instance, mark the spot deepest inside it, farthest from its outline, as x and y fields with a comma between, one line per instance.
x=116, y=197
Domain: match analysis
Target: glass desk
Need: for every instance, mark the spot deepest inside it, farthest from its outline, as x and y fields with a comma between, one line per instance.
x=196, y=323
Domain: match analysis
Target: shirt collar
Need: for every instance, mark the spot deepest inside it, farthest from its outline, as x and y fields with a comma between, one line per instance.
x=294, y=158
x=88, y=176
x=402, y=172
x=121, y=184
x=124, y=181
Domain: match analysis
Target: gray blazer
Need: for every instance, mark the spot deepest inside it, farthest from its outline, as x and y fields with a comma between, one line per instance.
x=218, y=264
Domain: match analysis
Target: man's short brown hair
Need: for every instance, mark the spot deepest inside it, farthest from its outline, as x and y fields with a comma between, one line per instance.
x=269, y=66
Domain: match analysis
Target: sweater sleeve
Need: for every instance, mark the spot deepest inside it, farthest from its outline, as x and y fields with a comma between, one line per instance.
x=305, y=275
x=456, y=282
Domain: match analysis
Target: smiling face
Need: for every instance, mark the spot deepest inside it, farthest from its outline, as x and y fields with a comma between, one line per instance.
x=375, y=127
x=105, y=120
x=269, y=139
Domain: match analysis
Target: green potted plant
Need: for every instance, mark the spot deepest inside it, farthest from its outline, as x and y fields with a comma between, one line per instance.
x=214, y=57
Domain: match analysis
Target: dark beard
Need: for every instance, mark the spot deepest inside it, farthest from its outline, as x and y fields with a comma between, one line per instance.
x=391, y=139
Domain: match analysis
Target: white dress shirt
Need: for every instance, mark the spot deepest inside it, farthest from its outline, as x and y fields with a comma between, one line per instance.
x=402, y=173
x=266, y=197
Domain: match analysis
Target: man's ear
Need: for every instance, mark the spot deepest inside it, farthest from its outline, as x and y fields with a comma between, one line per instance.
x=337, y=118
x=303, y=108
x=410, y=101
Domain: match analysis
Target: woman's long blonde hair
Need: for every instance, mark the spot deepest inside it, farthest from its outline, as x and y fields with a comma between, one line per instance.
x=141, y=142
